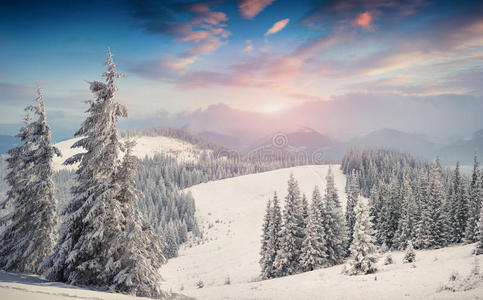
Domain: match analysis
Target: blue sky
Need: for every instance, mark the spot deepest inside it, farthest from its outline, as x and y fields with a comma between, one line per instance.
x=257, y=55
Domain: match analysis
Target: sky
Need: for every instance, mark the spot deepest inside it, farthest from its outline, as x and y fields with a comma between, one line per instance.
x=262, y=56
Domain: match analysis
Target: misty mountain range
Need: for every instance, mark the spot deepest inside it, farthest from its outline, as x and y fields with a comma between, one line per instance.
x=310, y=141
x=445, y=125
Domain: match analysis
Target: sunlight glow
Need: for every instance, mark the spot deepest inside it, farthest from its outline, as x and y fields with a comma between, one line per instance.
x=272, y=108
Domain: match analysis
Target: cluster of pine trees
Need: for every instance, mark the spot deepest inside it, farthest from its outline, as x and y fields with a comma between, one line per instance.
x=412, y=200
x=304, y=237
x=418, y=204
x=104, y=241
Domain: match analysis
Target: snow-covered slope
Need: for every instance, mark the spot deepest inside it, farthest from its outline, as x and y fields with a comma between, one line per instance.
x=422, y=280
x=231, y=212
x=145, y=146
x=19, y=286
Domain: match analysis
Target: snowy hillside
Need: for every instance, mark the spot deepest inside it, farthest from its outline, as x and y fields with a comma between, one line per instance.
x=145, y=146
x=19, y=286
x=422, y=280
x=231, y=214
x=230, y=211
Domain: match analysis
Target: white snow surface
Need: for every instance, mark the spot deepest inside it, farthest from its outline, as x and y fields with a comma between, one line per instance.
x=145, y=146
x=15, y=286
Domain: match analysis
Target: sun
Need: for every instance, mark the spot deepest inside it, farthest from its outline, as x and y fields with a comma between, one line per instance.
x=273, y=108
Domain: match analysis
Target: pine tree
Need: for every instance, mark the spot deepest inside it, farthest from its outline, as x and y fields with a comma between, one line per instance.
x=264, y=251
x=375, y=204
x=423, y=226
x=275, y=238
x=437, y=227
x=314, y=253
x=29, y=237
x=406, y=225
x=352, y=198
x=363, y=251
x=474, y=204
x=334, y=224
x=410, y=255
x=287, y=260
x=93, y=219
x=138, y=256
x=458, y=207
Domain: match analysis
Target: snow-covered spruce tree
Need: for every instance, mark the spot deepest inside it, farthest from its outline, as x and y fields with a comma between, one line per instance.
x=30, y=234
x=352, y=198
x=375, y=204
x=287, y=260
x=474, y=204
x=390, y=212
x=170, y=247
x=437, y=196
x=422, y=229
x=334, y=224
x=409, y=255
x=314, y=253
x=405, y=230
x=138, y=254
x=275, y=237
x=264, y=251
x=93, y=218
x=17, y=166
x=362, y=250
x=458, y=207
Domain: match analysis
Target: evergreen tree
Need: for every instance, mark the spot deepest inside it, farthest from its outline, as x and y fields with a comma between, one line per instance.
x=274, y=242
x=314, y=253
x=29, y=237
x=335, y=231
x=93, y=219
x=422, y=230
x=474, y=204
x=458, y=207
x=362, y=250
x=405, y=231
x=410, y=255
x=438, y=226
x=287, y=260
x=170, y=248
x=375, y=204
x=388, y=218
x=264, y=251
x=138, y=254
x=352, y=198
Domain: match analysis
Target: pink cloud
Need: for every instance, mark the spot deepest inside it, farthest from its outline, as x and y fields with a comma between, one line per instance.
x=196, y=36
x=250, y=8
x=206, y=46
x=283, y=69
x=364, y=20
x=277, y=27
